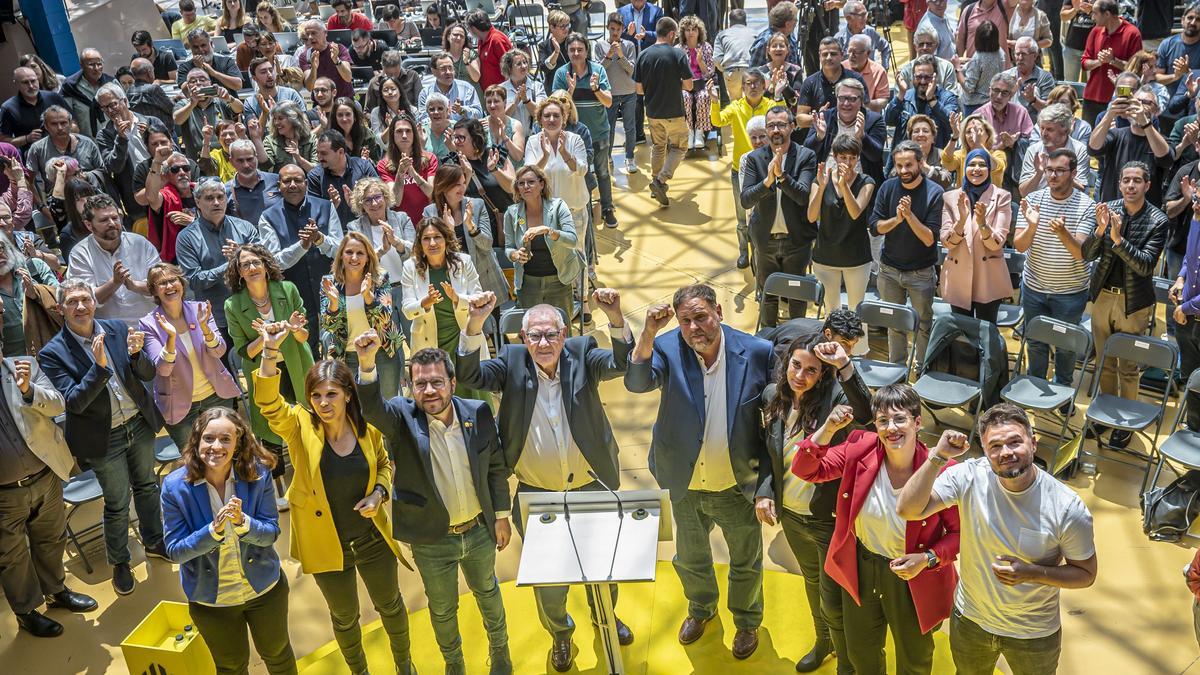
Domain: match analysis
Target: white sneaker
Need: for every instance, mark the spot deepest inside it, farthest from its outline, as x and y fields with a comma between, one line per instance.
x=631, y=165
x=281, y=503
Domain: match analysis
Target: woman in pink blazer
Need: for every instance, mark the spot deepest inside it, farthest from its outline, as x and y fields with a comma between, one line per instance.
x=975, y=222
x=894, y=573
x=183, y=343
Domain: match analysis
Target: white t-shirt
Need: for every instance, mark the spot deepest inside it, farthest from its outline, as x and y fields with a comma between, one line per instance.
x=202, y=388
x=878, y=525
x=1043, y=524
x=797, y=492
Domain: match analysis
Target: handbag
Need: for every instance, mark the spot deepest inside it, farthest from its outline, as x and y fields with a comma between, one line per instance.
x=1168, y=512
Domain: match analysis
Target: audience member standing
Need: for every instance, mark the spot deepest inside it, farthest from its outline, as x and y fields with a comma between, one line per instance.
x=1110, y=45
x=662, y=74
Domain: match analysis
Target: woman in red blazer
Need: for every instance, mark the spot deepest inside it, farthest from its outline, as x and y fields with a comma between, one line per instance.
x=893, y=574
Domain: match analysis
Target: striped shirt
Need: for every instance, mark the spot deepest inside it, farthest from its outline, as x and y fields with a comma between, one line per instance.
x=1050, y=267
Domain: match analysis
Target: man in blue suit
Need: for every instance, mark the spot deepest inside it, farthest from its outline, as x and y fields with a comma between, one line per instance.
x=555, y=432
x=708, y=450
x=98, y=367
x=450, y=498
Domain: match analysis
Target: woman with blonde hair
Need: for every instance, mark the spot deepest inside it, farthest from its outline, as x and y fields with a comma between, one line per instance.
x=1142, y=64
x=233, y=17
x=357, y=297
x=562, y=157
x=693, y=42
x=974, y=133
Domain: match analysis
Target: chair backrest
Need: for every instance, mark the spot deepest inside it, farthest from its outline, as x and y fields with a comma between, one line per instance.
x=887, y=315
x=794, y=287
x=1146, y=351
x=361, y=75
x=1060, y=335
x=510, y=320
x=1162, y=290
x=1015, y=260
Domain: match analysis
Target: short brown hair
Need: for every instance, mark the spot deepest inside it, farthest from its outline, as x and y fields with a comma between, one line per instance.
x=1003, y=413
x=539, y=173
x=897, y=397
x=157, y=272
x=248, y=457
x=702, y=291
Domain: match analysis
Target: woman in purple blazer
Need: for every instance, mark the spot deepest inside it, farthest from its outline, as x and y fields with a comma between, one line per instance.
x=183, y=343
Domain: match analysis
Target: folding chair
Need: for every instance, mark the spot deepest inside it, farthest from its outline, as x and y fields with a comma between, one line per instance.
x=166, y=453
x=510, y=320
x=940, y=390
x=1162, y=295
x=80, y=490
x=1040, y=395
x=1135, y=416
x=785, y=286
x=1182, y=447
x=1012, y=315
x=528, y=15
x=597, y=21
x=876, y=374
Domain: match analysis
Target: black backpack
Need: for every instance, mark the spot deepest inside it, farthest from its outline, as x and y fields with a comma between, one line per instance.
x=1168, y=512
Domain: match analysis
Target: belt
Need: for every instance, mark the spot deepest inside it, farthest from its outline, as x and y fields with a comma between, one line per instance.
x=1113, y=289
x=26, y=481
x=780, y=235
x=463, y=528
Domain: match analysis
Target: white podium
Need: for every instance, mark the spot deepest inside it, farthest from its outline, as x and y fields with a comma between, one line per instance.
x=595, y=539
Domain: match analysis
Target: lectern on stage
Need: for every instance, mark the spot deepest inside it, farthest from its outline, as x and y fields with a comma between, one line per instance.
x=596, y=539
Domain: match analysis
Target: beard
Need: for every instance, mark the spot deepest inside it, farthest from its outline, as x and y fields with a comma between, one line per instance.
x=1013, y=471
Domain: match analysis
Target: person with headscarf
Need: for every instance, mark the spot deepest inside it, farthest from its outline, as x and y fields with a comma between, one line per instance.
x=975, y=222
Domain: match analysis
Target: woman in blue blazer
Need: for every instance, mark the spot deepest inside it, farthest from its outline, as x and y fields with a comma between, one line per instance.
x=221, y=523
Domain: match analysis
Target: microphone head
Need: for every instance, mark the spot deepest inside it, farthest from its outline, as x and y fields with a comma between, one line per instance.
x=593, y=475
x=570, y=478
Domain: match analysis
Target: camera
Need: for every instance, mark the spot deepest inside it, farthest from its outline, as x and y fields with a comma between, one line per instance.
x=1124, y=91
x=207, y=91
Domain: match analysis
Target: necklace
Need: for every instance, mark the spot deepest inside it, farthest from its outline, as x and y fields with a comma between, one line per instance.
x=262, y=304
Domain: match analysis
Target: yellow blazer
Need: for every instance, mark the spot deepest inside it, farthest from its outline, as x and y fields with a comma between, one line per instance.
x=314, y=540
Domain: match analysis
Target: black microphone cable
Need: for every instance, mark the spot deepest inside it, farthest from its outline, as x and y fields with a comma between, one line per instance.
x=570, y=531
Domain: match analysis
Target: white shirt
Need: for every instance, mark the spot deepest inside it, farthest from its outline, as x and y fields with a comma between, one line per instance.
x=452, y=470
x=232, y=586
x=120, y=402
x=780, y=225
x=1042, y=524
x=877, y=525
x=202, y=388
x=797, y=492
x=551, y=459
x=569, y=186
x=95, y=265
x=714, y=470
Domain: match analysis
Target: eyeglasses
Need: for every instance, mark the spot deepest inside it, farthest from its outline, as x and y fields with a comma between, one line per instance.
x=1057, y=172
x=1000, y=91
x=926, y=44
x=250, y=264
x=549, y=336
x=533, y=182
x=894, y=420
x=374, y=199
x=179, y=168
x=848, y=99
x=438, y=384
x=777, y=125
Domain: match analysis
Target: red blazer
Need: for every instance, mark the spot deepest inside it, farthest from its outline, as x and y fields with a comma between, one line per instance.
x=856, y=462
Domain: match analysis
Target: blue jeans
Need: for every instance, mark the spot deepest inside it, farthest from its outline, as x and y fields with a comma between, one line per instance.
x=602, y=151
x=624, y=105
x=975, y=650
x=552, y=600
x=475, y=552
x=695, y=515
x=180, y=431
x=129, y=463
x=914, y=287
x=1064, y=307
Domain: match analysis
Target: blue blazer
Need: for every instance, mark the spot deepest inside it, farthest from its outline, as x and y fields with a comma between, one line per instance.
x=679, y=429
x=84, y=385
x=187, y=514
x=649, y=16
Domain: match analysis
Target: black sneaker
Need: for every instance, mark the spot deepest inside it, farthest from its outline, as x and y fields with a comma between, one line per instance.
x=658, y=190
x=610, y=218
x=743, y=261
x=122, y=579
x=159, y=551
x=1119, y=438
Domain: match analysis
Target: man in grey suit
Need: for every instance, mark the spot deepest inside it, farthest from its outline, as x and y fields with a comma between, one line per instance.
x=34, y=460
x=553, y=427
x=707, y=450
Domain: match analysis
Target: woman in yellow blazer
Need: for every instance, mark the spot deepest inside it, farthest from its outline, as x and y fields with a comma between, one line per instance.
x=342, y=476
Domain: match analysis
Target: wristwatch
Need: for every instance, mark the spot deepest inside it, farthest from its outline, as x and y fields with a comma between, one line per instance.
x=932, y=558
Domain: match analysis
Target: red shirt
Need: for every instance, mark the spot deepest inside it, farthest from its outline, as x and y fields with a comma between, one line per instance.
x=162, y=230
x=491, y=49
x=413, y=199
x=1124, y=42
x=357, y=20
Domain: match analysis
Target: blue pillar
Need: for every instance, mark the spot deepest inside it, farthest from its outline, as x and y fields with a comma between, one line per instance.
x=51, y=28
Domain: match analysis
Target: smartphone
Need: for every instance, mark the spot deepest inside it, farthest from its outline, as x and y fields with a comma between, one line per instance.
x=4, y=163
x=212, y=91
x=1124, y=91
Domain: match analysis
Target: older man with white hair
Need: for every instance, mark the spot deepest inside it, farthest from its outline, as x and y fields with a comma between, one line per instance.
x=220, y=68
x=121, y=143
x=875, y=75
x=855, y=13
x=1054, y=126
x=322, y=58
x=927, y=41
x=1033, y=83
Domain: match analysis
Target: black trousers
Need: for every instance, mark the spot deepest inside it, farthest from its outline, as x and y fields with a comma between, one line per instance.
x=32, y=539
x=224, y=630
x=1052, y=8
x=808, y=537
x=887, y=605
x=984, y=311
x=1093, y=110
x=780, y=255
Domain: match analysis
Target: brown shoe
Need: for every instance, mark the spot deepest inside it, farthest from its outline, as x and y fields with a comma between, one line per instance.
x=745, y=641
x=560, y=655
x=692, y=629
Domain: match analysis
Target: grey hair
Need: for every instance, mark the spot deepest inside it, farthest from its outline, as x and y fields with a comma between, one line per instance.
x=1023, y=40
x=436, y=96
x=312, y=23
x=58, y=109
x=859, y=38
x=392, y=58
x=73, y=284
x=16, y=258
x=208, y=185
x=852, y=6
x=141, y=68
x=1006, y=78
x=1057, y=113
x=853, y=84
x=1147, y=89
x=294, y=113
x=757, y=123
x=927, y=30
x=539, y=311
x=243, y=144
x=196, y=33
x=113, y=88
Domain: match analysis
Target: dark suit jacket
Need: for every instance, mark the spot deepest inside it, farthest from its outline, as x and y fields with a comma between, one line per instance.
x=873, y=140
x=84, y=385
x=799, y=172
x=419, y=515
x=581, y=369
x=679, y=429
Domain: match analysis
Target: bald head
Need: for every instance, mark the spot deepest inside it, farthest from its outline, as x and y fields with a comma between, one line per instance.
x=142, y=69
x=27, y=83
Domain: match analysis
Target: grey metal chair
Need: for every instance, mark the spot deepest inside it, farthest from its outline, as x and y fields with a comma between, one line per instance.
x=785, y=286
x=1038, y=394
x=1134, y=416
x=939, y=390
x=1011, y=315
x=1182, y=447
x=875, y=373
x=81, y=489
x=510, y=320
x=166, y=453
x=1162, y=295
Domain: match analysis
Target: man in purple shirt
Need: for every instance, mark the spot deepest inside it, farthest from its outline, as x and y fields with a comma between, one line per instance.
x=1010, y=120
x=321, y=58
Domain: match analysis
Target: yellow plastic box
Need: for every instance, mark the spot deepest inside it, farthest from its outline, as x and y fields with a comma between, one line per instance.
x=153, y=648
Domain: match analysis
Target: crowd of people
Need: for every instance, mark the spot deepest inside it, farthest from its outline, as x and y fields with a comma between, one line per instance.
x=281, y=263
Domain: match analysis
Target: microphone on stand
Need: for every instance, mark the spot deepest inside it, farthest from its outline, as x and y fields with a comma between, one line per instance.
x=570, y=531
x=620, y=520
x=620, y=505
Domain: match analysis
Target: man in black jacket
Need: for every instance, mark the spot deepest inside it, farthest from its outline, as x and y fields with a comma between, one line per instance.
x=555, y=431
x=851, y=115
x=450, y=498
x=776, y=180
x=1129, y=236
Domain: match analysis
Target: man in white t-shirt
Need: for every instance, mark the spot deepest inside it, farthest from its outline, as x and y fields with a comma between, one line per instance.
x=1025, y=535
